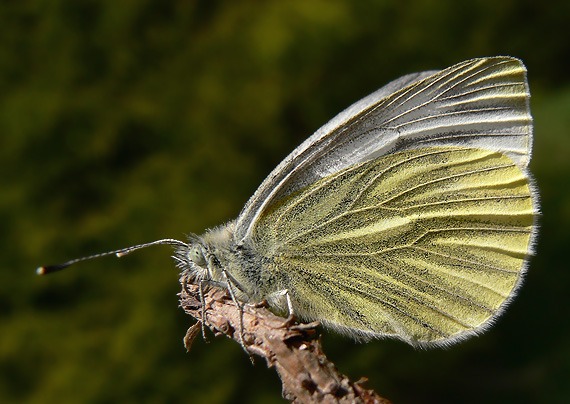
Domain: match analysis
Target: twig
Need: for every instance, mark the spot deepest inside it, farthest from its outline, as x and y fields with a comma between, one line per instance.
x=294, y=350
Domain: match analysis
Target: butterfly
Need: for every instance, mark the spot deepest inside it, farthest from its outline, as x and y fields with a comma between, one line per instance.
x=411, y=214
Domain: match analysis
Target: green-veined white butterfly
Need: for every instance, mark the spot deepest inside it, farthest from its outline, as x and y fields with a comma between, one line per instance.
x=411, y=214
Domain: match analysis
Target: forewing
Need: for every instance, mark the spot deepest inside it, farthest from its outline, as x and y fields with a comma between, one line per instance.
x=425, y=245
x=481, y=103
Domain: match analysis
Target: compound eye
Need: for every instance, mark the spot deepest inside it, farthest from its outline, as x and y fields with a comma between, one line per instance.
x=196, y=256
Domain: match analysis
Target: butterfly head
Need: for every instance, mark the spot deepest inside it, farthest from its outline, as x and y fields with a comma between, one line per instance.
x=192, y=261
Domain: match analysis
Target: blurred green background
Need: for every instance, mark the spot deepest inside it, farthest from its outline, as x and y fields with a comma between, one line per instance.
x=123, y=122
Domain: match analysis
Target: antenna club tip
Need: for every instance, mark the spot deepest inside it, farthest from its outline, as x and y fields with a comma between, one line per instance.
x=52, y=268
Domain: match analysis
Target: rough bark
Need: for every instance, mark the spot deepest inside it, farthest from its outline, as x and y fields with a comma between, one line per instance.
x=293, y=349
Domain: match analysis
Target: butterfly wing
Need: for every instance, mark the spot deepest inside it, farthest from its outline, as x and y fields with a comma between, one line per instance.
x=481, y=103
x=425, y=245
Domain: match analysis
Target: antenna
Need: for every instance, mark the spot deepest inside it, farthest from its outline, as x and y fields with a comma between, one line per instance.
x=119, y=253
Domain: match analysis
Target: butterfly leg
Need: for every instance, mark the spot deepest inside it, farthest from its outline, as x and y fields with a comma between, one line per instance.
x=191, y=333
x=203, y=311
x=278, y=296
x=240, y=307
x=229, y=284
x=289, y=303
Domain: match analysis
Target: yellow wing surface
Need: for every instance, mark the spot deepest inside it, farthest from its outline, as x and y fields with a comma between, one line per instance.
x=424, y=245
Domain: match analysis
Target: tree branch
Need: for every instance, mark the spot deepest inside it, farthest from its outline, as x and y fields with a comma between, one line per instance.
x=294, y=350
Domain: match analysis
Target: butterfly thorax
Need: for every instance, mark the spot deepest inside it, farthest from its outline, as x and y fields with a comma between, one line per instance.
x=216, y=258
